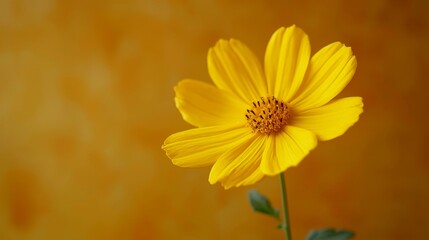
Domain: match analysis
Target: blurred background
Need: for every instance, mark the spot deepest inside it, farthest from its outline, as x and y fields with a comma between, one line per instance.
x=86, y=100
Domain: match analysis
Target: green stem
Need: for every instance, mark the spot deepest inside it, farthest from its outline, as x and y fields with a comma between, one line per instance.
x=286, y=223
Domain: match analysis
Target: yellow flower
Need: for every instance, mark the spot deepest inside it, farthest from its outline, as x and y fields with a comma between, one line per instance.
x=254, y=123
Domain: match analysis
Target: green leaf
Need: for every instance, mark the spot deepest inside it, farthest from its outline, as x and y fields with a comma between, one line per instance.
x=261, y=204
x=329, y=234
x=281, y=226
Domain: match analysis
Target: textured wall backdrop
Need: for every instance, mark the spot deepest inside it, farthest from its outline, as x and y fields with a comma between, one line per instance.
x=86, y=100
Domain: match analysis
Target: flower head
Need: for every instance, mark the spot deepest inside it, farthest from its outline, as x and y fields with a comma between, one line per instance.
x=255, y=122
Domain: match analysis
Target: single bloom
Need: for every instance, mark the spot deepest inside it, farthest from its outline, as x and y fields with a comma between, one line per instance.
x=259, y=121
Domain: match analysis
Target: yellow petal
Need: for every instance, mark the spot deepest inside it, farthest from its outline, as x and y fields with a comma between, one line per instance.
x=290, y=145
x=331, y=120
x=233, y=67
x=202, y=104
x=329, y=72
x=238, y=165
x=255, y=177
x=286, y=60
x=270, y=162
x=200, y=147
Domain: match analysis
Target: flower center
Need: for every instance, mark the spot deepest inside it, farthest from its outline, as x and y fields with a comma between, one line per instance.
x=267, y=115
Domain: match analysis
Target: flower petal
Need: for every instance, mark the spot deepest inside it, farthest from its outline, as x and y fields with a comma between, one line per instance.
x=329, y=72
x=239, y=165
x=202, y=104
x=201, y=147
x=270, y=161
x=289, y=146
x=331, y=120
x=286, y=59
x=255, y=177
x=233, y=67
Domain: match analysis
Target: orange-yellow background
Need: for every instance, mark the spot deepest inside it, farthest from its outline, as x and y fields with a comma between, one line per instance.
x=86, y=100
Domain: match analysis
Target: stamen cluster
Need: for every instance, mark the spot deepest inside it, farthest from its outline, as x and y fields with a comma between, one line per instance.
x=267, y=115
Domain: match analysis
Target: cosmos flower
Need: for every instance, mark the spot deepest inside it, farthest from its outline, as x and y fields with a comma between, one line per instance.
x=254, y=122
